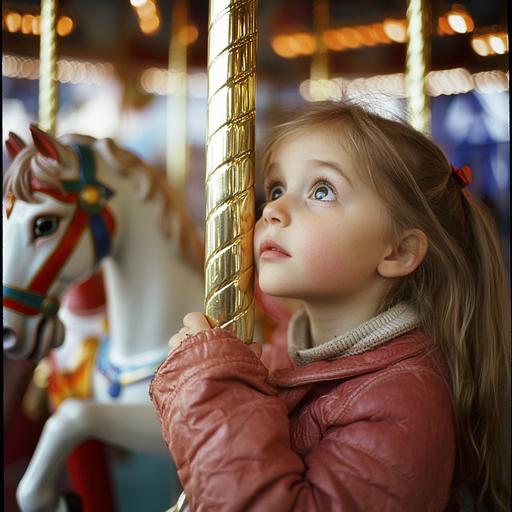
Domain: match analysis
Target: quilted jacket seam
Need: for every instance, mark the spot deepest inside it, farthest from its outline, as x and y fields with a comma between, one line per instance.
x=358, y=447
x=366, y=387
x=319, y=373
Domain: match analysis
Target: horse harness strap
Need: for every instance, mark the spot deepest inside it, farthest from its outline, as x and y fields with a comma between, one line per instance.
x=123, y=376
x=91, y=211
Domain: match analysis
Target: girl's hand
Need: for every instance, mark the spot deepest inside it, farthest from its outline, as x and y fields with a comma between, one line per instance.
x=197, y=322
x=192, y=324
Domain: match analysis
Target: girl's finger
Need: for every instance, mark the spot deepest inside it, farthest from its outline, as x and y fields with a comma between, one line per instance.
x=256, y=348
x=175, y=341
x=196, y=322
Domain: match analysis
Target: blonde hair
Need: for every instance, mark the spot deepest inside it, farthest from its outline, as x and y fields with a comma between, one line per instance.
x=460, y=289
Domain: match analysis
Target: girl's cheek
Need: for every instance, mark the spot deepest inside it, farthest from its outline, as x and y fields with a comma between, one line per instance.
x=318, y=241
x=322, y=252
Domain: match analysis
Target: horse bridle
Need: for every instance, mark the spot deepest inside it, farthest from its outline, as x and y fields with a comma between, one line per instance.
x=92, y=211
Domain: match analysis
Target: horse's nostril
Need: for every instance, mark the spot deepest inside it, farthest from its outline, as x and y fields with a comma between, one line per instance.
x=9, y=338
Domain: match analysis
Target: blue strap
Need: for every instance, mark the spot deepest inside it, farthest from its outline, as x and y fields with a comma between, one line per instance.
x=100, y=234
x=87, y=174
x=101, y=237
x=28, y=298
x=116, y=375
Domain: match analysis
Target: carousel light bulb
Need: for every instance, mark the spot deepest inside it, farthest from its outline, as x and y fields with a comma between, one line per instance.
x=366, y=35
x=188, y=35
x=281, y=45
x=332, y=40
x=64, y=26
x=444, y=26
x=13, y=22
x=322, y=90
x=36, y=26
x=395, y=30
x=146, y=11
x=149, y=26
x=380, y=34
x=457, y=22
x=470, y=24
x=294, y=44
x=305, y=43
x=497, y=44
x=147, y=80
x=480, y=46
x=26, y=23
x=64, y=71
x=350, y=37
x=138, y=3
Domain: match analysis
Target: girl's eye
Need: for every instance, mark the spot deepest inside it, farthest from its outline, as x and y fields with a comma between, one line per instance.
x=276, y=192
x=44, y=226
x=324, y=193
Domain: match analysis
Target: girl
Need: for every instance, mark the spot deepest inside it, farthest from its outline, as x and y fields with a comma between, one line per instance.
x=397, y=391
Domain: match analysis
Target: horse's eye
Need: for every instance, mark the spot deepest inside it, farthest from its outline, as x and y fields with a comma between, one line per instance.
x=44, y=226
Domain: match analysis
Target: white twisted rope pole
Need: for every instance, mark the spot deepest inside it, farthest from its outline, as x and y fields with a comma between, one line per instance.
x=418, y=54
x=48, y=66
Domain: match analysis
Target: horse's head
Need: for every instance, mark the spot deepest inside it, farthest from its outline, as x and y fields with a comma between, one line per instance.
x=57, y=226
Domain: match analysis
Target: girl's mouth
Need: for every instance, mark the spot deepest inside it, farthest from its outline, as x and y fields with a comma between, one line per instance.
x=270, y=249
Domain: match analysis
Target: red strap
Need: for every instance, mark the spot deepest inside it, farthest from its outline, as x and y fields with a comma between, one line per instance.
x=21, y=308
x=55, y=262
x=65, y=197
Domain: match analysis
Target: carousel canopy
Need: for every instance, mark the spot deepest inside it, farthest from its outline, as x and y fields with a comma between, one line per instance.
x=365, y=37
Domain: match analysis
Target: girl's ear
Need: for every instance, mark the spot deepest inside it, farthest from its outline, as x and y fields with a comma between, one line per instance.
x=404, y=258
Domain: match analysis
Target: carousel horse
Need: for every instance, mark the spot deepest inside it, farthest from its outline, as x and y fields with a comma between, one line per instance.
x=71, y=204
x=67, y=372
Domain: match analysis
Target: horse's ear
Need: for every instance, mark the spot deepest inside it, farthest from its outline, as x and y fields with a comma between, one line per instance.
x=14, y=145
x=45, y=143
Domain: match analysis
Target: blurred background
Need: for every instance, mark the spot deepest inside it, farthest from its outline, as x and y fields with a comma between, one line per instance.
x=114, y=57
x=115, y=79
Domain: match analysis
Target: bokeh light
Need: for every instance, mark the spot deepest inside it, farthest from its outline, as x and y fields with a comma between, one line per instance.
x=13, y=22
x=396, y=30
x=64, y=26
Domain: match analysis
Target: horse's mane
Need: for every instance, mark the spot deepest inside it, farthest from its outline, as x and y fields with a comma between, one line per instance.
x=17, y=178
x=171, y=216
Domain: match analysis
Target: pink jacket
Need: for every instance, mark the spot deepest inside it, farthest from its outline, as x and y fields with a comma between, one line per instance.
x=368, y=432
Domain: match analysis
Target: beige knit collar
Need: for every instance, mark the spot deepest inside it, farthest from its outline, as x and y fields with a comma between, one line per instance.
x=390, y=324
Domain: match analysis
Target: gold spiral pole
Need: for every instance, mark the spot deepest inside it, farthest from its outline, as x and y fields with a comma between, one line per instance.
x=177, y=158
x=229, y=209
x=418, y=55
x=48, y=66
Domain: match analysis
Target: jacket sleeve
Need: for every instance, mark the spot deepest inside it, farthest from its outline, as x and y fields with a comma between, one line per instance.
x=229, y=436
x=227, y=432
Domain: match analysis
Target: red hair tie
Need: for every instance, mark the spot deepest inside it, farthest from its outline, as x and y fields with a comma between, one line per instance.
x=462, y=175
x=463, y=178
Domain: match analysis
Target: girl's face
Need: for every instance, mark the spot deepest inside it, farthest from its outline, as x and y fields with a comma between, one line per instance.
x=323, y=231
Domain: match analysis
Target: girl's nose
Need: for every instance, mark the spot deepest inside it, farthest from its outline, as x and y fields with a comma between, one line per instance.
x=277, y=212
